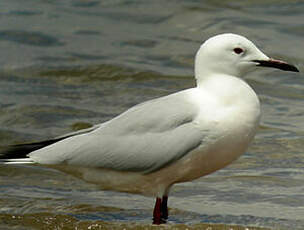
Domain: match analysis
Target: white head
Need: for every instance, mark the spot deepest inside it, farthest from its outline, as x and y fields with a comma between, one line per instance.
x=232, y=54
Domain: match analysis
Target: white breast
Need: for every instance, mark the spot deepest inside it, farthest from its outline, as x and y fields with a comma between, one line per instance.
x=229, y=116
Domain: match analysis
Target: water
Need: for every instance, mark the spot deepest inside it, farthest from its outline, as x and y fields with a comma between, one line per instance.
x=69, y=64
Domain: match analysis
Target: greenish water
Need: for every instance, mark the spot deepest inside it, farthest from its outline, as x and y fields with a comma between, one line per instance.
x=66, y=64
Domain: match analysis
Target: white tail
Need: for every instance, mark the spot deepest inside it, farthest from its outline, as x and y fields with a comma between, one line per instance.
x=16, y=161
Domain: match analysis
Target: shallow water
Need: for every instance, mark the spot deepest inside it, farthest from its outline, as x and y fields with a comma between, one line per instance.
x=69, y=64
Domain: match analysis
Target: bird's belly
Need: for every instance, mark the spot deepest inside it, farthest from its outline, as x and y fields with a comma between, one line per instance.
x=204, y=161
x=216, y=151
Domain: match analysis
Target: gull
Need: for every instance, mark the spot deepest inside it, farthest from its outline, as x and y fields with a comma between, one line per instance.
x=172, y=139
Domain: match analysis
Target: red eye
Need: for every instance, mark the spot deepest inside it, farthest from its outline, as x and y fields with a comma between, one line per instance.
x=238, y=50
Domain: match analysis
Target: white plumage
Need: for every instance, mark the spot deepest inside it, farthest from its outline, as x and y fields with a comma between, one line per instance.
x=176, y=138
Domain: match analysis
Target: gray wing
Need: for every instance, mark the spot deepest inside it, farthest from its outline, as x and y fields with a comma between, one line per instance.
x=143, y=139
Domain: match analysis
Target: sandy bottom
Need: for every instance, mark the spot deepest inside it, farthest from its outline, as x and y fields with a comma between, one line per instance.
x=51, y=221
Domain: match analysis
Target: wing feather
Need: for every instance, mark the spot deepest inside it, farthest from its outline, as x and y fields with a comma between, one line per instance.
x=145, y=138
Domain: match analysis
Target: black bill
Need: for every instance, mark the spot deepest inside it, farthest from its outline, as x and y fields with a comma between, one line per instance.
x=277, y=64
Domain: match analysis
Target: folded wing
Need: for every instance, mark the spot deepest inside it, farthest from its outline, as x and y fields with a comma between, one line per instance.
x=145, y=138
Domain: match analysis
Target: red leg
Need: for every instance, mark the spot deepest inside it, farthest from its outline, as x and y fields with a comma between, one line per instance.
x=157, y=218
x=164, y=208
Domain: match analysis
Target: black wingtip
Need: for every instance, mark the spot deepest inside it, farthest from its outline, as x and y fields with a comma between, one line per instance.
x=22, y=150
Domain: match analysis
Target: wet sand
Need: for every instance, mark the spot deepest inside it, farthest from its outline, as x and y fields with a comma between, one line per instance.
x=66, y=222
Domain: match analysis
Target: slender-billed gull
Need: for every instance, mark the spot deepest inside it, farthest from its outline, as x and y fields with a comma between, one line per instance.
x=168, y=140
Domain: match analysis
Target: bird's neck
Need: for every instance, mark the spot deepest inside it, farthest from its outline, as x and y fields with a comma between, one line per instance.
x=229, y=89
